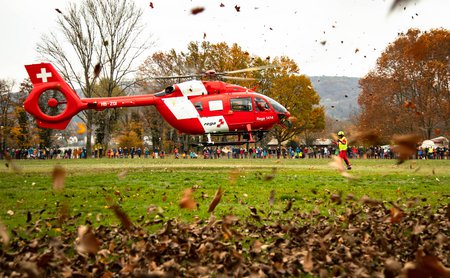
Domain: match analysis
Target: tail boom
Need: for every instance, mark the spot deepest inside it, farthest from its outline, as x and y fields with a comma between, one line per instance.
x=45, y=78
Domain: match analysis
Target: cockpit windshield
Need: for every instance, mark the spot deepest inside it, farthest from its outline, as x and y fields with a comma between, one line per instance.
x=277, y=106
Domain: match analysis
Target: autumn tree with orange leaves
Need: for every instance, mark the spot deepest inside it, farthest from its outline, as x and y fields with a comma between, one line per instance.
x=409, y=90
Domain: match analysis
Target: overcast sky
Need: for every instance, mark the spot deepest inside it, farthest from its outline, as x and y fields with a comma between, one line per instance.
x=320, y=35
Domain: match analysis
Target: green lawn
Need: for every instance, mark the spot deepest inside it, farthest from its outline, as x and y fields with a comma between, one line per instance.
x=149, y=189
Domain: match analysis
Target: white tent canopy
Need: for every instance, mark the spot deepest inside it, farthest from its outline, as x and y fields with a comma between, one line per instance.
x=428, y=144
x=440, y=141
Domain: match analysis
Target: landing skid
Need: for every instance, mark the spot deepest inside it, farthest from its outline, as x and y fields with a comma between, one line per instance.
x=248, y=138
x=229, y=143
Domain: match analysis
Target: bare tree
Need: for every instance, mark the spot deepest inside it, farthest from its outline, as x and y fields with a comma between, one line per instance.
x=101, y=39
x=5, y=112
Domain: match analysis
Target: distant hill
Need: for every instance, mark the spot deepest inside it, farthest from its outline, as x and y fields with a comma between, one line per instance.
x=338, y=94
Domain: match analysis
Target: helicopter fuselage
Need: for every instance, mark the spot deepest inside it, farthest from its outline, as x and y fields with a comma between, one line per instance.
x=197, y=107
x=192, y=107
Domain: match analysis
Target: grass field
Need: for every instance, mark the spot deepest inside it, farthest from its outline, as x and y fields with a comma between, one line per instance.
x=276, y=218
x=151, y=189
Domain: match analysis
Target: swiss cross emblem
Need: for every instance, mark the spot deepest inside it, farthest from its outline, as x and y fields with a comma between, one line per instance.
x=221, y=122
x=44, y=75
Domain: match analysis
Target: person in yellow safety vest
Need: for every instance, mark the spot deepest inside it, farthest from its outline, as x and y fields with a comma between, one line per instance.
x=342, y=144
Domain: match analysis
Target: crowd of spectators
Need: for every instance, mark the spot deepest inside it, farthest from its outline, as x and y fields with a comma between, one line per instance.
x=225, y=152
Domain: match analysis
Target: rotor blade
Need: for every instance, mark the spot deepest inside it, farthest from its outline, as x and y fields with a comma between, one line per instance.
x=9, y=93
x=246, y=70
x=237, y=78
x=175, y=77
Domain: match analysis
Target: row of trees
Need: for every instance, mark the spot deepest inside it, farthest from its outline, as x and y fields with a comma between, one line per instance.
x=97, y=44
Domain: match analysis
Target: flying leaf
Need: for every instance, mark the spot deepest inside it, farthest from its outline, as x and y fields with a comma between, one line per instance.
x=81, y=128
x=271, y=176
x=58, y=175
x=4, y=234
x=197, y=10
x=151, y=5
x=216, y=200
x=87, y=243
x=369, y=137
x=97, y=70
x=123, y=217
x=396, y=214
x=11, y=163
x=187, y=201
x=288, y=207
x=405, y=146
x=339, y=165
x=122, y=174
x=272, y=197
x=336, y=198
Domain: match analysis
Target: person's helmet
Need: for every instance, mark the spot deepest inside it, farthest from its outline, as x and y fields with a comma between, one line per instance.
x=341, y=133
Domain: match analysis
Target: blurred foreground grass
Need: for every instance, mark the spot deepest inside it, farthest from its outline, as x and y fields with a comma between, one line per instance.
x=151, y=189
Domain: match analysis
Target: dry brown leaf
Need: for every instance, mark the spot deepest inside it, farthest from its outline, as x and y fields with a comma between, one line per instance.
x=10, y=163
x=336, y=198
x=288, y=207
x=187, y=201
x=405, y=146
x=308, y=262
x=369, y=137
x=197, y=10
x=256, y=247
x=97, y=70
x=272, y=197
x=81, y=128
x=87, y=243
x=58, y=175
x=122, y=174
x=270, y=176
x=4, y=235
x=338, y=164
x=123, y=217
x=234, y=175
x=30, y=268
x=396, y=214
x=216, y=200
x=425, y=266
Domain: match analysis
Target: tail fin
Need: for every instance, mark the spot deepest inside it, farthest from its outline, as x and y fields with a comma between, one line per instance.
x=43, y=73
x=54, y=109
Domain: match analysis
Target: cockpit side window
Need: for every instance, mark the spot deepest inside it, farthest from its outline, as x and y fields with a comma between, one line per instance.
x=261, y=104
x=241, y=104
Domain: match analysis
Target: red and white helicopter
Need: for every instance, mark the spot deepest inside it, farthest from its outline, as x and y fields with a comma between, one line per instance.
x=192, y=107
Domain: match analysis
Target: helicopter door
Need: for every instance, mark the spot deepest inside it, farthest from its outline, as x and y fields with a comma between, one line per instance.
x=241, y=113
